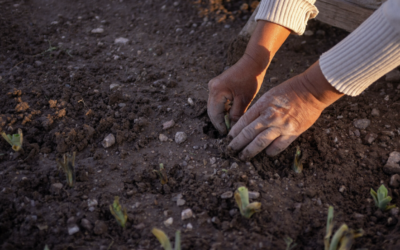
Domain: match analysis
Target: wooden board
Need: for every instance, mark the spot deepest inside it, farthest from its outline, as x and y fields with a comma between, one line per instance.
x=341, y=14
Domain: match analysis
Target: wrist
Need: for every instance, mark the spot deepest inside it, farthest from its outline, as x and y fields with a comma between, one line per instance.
x=314, y=81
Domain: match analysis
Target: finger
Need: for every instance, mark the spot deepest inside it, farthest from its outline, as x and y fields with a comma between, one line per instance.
x=280, y=144
x=244, y=121
x=216, y=112
x=238, y=108
x=262, y=141
x=248, y=134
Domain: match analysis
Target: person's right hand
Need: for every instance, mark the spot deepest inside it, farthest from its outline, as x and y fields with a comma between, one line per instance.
x=239, y=84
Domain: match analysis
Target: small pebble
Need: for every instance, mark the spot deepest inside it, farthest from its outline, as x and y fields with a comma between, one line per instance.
x=168, y=222
x=362, y=123
x=342, y=189
x=121, y=40
x=190, y=101
x=213, y=160
x=186, y=214
x=73, y=229
x=108, y=141
x=189, y=226
x=253, y=195
x=168, y=124
x=227, y=195
x=97, y=31
x=114, y=85
x=180, y=137
x=309, y=33
x=163, y=138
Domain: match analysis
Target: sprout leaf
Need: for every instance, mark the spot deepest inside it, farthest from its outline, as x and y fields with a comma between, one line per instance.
x=119, y=212
x=68, y=166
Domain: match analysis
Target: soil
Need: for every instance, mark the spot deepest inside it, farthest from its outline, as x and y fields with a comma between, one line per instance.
x=56, y=76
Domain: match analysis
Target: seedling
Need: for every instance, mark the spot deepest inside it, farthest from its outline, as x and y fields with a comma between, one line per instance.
x=119, y=212
x=164, y=240
x=14, y=140
x=227, y=122
x=297, y=164
x=162, y=174
x=382, y=199
x=289, y=243
x=343, y=238
x=68, y=166
x=246, y=208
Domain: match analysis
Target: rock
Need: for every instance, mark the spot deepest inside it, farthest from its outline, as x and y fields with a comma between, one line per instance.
x=180, y=202
x=92, y=202
x=233, y=212
x=357, y=133
x=234, y=165
x=85, y=223
x=168, y=124
x=213, y=160
x=121, y=40
x=97, y=31
x=370, y=138
x=393, y=164
x=342, y=189
x=114, y=85
x=361, y=123
x=186, y=214
x=168, y=222
x=108, y=141
x=100, y=227
x=215, y=220
x=394, y=181
x=375, y=112
x=180, y=137
x=320, y=32
x=393, y=76
x=394, y=211
x=190, y=101
x=189, y=226
x=253, y=195
x=309, y=33
x=73, y=229
x=391, y=221
x=55, y=188
x=227, y=195
x=274, y=79
x=163, y=138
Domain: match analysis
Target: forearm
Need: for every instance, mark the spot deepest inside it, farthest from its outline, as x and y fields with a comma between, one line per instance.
x=265, y=42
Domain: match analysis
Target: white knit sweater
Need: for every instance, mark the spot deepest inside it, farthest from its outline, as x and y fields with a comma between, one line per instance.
x=368, y=53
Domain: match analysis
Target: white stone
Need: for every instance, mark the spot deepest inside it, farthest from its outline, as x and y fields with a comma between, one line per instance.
x=108, y=141
x=97, y=31
x=361, y=123
x=121, y=40
x=227, y=195
x=309, y=33
x=213, y=160
x=168, y=222
x=73, y=229
x=163, y=138
x=114, y=85
x=189, y=226
x=168, y=124
x=180, y=137
x=92, y=202
x=186, y=214
x=253, y=195
x=190, y=101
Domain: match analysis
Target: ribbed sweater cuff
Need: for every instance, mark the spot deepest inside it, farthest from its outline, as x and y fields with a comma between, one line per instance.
x=292, y=14
x=368, y=53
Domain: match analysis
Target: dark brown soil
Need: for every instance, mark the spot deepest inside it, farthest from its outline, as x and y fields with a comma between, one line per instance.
x=56, y=76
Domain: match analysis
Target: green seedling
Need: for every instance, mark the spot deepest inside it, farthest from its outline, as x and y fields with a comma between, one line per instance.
x=162, y=174
x=68, y=166
x=14, y=140
x=382, y=199
x=119, y=212
x=343, y=238
x=227, y=122
x=246, y=208
x=164, y=240
x=297, y=164
x=289, y=243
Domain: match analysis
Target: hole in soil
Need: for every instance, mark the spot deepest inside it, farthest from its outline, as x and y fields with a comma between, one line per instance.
x=209, y=130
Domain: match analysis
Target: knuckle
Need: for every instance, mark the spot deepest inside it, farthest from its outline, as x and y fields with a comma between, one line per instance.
x=248, y=133
x=260, y=142
x=213, y=84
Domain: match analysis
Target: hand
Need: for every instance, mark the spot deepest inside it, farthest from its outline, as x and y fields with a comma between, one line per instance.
x=282, y=114
x=240, y=83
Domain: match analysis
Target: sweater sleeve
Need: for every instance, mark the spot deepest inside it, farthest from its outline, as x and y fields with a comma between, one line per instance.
x=368, y=53
x=292, y=14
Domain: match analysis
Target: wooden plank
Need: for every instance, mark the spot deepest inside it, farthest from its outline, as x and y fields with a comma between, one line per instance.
x=341, y=14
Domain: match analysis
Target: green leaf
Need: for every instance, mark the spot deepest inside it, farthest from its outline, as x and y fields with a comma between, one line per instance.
x=251, y=209
x=337, y=237
x=14, y=140
x=178, y=240
x=242, y=200
x=329, y=228
x=68, y=166
x=374, y=195
x=118, y=212
x=162, y=238
x=382, y=192
x=297, y=164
